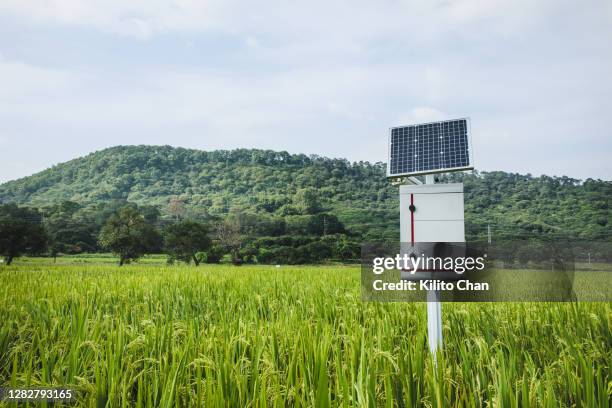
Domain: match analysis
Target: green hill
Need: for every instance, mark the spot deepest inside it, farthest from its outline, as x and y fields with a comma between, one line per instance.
x=266, y=187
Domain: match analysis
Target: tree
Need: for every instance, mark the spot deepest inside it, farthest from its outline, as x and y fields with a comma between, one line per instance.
x=150, y=213
x=215, y=253
x=68, y=230
x=128, y=235
x=306, y=201
x=185, y=239
x=230, y=237
x=21, y=231
x=176, y=207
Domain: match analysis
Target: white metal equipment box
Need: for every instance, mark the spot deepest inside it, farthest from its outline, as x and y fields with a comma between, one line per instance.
x=431, y=217
x=438, y=213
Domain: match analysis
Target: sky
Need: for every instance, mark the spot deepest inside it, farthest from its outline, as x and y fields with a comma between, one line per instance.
x=316, y=77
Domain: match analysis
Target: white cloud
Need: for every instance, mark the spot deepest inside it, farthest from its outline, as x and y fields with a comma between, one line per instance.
x=21, y=82
x=316, y=77
x=252, y=42
x=422, y=114
x=344, y=18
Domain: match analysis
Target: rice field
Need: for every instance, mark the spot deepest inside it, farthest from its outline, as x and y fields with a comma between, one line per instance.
x=252, y=336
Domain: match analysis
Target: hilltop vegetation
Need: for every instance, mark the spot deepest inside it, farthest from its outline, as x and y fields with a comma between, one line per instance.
x=282, y=200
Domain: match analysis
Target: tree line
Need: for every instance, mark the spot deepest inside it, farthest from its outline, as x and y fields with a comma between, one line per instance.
x=271, y=191
x=131, y=231
x=287, y=207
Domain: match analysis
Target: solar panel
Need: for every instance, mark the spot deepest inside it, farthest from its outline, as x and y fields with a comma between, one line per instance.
x=429, y=148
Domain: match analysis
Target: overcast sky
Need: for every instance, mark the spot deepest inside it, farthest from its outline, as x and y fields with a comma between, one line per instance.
x=316, y=77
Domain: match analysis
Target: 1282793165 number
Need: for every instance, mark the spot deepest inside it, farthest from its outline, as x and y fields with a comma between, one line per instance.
x=36, y=394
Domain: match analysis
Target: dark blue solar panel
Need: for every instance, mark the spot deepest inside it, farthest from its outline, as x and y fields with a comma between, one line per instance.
x=429, y=147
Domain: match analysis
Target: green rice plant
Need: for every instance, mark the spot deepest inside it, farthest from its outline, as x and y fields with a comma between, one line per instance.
x=149, y=335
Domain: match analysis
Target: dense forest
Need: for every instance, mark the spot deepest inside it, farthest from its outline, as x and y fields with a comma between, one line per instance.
x=282, y=202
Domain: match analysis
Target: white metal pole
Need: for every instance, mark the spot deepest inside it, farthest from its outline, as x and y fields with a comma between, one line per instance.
x=434, y=321
x=589, y=260
x=434, y=308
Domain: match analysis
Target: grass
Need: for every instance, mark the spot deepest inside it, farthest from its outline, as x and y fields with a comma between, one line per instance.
x=102, y=258
x=156, y=335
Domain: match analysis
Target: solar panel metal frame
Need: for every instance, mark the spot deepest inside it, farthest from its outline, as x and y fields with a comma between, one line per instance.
x=470, y=166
